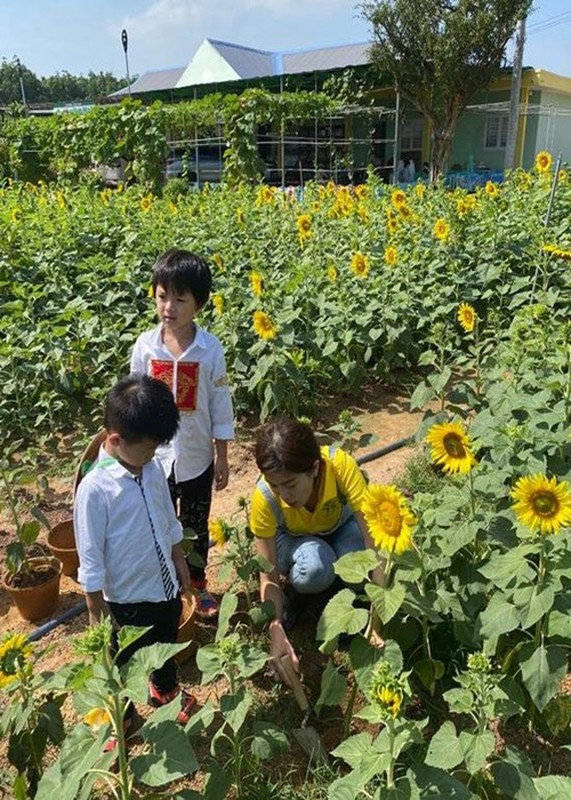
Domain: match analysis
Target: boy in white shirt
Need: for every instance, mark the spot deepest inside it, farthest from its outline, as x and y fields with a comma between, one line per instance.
x=190, y=361
x=128, y=536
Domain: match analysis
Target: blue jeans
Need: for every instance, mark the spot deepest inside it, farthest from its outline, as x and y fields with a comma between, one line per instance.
x=307, y=561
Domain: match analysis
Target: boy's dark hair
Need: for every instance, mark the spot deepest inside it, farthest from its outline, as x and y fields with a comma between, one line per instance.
x=140, y=407
x=288, y=445
x=183, y=271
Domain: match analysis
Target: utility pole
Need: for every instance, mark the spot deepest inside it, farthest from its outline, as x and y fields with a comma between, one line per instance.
x=125, y=43
x=513, y=119
x=21, y=78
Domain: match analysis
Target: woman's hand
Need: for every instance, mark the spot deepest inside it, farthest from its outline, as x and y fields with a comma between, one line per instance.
x=280, y=646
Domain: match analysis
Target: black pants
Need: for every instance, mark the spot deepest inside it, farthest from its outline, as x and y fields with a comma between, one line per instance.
x=195, y=497
x=164, y=618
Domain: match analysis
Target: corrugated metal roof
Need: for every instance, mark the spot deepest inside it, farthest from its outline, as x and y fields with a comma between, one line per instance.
x=324, y=58
x=153, y=82
x=248, y=62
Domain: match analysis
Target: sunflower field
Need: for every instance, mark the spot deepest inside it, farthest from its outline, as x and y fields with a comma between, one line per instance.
x=465, y=298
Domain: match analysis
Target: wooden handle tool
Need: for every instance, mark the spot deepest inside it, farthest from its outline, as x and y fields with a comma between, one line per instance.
x=296, y=685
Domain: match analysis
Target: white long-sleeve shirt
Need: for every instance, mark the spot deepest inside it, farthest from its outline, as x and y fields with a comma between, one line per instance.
x=114, y=517
x=198, y=381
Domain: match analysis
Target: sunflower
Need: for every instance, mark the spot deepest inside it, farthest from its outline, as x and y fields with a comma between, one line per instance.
x=218, y=261
x=303, y=223
x=264, y=326
x=391, y=255
x=558, y=252
x=146, y=203
x=332, y=273
x=543, y=161
x=398, y=198
x=360, y=264
x=420, y=190
x=266, y=195
x=173, y=208
x=467, y=317
x=240, y=216
x=389, y=519
x=218, y=531
x=451, y=447
x=96, y=718
x=542, y=502
x=491, y=189
x=461, y=207
x=386, y=691
x=14, y=652
x=257, y=283
x=441, y=230
x=16, y=215
x=218, y=303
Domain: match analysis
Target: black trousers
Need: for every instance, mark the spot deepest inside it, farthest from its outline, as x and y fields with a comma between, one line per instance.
x=194, y=498
x=164, y=618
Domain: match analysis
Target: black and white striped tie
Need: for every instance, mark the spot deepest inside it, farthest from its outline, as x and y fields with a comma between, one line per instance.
x=168, y=584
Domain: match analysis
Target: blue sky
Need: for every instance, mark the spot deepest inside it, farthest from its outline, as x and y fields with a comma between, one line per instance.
x=80, y=35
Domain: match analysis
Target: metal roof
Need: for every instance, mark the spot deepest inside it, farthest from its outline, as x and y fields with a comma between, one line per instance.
x=248, y=62
x=326, y=58
x=153, y=82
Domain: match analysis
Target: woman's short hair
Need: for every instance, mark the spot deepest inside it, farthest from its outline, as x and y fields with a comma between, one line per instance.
x=288, y=445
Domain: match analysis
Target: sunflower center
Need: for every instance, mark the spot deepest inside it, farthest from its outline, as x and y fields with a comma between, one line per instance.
x=390, y=518
x=454, y=446
x=545, y=504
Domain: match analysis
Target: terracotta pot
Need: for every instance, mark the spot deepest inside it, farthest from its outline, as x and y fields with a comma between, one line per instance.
x=61, y=541
x=186, y=627
x=36, y=602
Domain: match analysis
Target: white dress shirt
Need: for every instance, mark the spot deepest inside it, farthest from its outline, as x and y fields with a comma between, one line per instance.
x=197, y=379
x=114, y=517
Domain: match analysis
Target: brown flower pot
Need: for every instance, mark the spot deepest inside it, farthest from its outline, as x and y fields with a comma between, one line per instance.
x=186, y=627
x=61, y=541
x=41, y=598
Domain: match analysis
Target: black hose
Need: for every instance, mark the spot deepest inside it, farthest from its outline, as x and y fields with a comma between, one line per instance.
x=53, y=623
x=383, y=451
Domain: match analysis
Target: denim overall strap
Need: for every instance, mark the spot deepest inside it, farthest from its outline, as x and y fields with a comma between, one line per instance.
x=271, y=499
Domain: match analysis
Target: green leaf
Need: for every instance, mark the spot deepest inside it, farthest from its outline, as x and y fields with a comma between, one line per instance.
x=477, y=748
x=339, y=616
x=386, y=602
x=542, y=673
x=228, y=607
x=436, y=784
x=333, y=687
x=512, y=782
x=557, y=714
x=354, y=749
x=355, y=567
x=268, y=741
x=137, y=670
x=499, y=617
x=553, y=787
x=171, y=756
x=533, y=603
x=444, y=750
x=429, y=670
x=235, y=708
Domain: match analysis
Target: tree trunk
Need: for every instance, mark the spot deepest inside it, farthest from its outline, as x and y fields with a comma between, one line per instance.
x=441, y=146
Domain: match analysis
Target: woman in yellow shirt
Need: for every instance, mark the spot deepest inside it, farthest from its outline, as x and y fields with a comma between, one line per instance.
x=305, y=515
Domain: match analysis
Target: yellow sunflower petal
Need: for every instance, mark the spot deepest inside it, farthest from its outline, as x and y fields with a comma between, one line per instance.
x=451, y=447
x=542, y=503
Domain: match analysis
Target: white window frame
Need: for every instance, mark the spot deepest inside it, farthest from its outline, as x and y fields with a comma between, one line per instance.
x=412, y=133
x=496, y=139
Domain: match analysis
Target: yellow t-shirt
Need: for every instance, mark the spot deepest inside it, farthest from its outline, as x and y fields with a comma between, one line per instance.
x=342, y=482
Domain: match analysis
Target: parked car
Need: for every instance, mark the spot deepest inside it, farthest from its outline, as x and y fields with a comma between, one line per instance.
x=207, y=167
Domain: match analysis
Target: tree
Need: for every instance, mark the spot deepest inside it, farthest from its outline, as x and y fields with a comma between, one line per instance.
x=440, y=54
x=11, y=87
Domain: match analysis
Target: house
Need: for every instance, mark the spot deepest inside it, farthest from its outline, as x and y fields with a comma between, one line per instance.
x=396, y=135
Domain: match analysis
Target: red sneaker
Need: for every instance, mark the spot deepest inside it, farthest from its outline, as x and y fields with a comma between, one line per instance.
x=112, y=742
x=188, y=702
x=206, y=604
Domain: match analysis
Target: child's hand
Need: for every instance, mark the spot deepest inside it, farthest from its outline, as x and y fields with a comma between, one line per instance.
x=221, y=473
x=181, y=568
